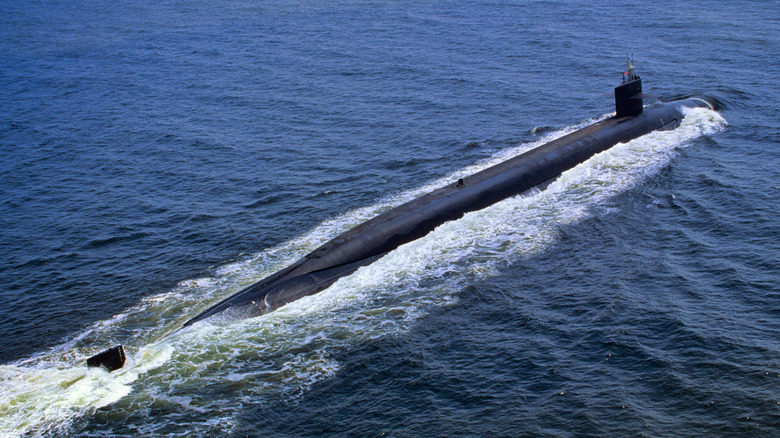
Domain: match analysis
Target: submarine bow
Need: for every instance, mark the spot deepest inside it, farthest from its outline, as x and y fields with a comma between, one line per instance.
x=371, y=240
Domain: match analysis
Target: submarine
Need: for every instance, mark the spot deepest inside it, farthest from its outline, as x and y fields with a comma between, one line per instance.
x=369, y=241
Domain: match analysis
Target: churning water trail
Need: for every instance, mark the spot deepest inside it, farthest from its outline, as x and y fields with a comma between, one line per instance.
x=202, y=375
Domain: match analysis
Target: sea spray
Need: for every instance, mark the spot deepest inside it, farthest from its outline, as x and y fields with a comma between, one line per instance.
x=202, y=374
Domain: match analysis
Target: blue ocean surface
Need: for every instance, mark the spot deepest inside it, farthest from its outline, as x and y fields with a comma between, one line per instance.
x=159, y=156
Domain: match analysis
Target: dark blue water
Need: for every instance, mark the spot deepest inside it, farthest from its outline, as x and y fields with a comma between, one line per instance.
x=158, y=156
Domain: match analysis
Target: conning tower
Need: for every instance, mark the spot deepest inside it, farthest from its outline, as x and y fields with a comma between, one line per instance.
x=628, y=95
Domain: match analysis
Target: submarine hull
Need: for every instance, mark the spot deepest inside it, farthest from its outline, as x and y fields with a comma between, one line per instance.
x=372, y=239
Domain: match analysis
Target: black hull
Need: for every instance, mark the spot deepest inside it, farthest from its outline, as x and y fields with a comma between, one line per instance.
x=372, y=239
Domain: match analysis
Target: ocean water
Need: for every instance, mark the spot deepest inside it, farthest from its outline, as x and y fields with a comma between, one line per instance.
x=159, y=156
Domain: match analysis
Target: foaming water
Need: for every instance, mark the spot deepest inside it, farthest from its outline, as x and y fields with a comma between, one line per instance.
x=198, y=377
